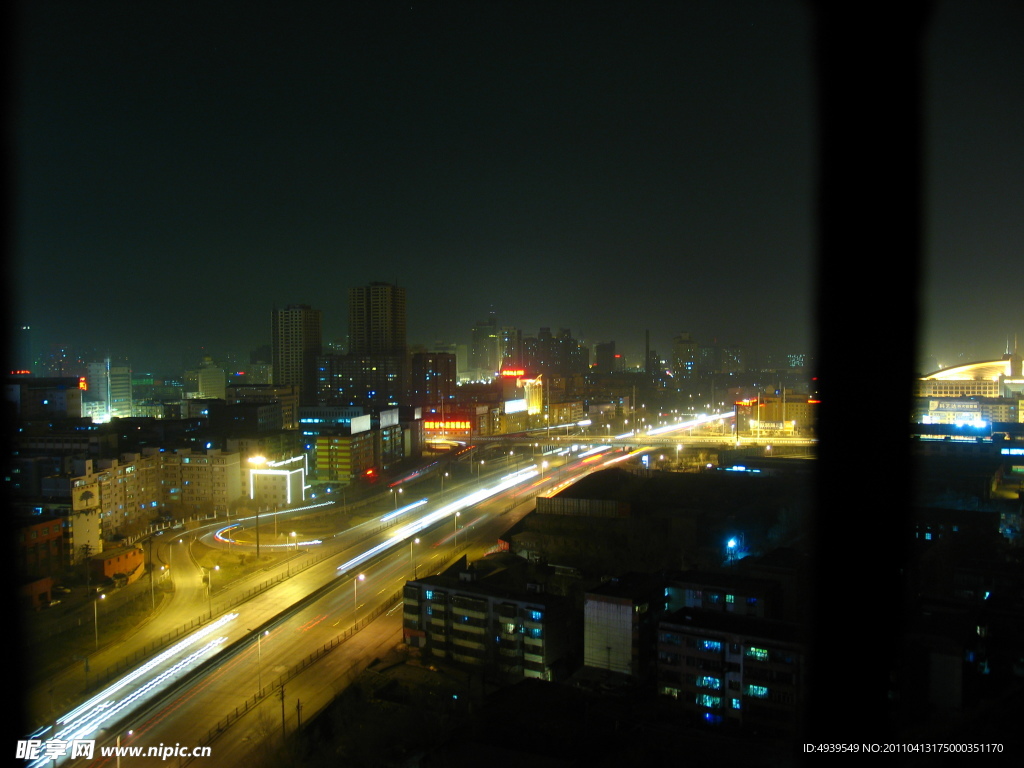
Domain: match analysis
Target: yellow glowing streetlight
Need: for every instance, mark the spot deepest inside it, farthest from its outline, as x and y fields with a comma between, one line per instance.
x=355, y=595
x=96, y=618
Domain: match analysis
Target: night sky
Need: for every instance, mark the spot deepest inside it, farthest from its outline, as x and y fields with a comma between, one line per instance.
x=180, y=168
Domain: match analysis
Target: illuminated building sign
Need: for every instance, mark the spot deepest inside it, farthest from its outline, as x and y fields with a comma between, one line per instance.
x=515, y=406
x=82, y=383
x=446, y=425
x=512, y=373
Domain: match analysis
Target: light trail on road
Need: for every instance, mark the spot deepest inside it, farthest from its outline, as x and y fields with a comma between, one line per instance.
x=141, y=687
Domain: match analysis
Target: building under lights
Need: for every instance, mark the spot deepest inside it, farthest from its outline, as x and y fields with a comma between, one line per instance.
x=989, y=378
x=785, y=415
x=278, y=483
x=972, y=394
x=107, y=391
x=200, y=481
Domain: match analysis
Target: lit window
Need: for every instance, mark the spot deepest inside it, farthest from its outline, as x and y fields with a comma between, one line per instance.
x=711, y=645
x=709, y=682
x=761, y=654
x=757, y=691
x=709, y=701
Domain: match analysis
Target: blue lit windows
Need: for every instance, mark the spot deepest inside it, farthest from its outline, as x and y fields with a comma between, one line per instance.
x=536, y=616
x=707, y=681
x=709, y=701
x=757, y=691
x=735, y=703
x=429, y=594
x=712, y=646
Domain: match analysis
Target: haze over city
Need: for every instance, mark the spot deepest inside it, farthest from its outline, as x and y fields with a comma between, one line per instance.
x=599, y=167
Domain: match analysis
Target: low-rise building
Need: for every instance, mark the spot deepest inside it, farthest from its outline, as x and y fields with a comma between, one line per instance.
x=492, y=616
x=733, y=670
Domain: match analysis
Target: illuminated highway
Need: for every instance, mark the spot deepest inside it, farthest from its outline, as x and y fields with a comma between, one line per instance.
x=260, y=639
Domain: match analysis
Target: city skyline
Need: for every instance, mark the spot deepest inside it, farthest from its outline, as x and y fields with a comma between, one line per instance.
x=589, y=167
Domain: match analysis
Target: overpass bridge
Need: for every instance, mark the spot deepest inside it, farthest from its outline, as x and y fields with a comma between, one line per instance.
x=699, y=432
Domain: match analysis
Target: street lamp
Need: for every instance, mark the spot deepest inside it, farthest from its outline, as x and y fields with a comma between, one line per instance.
x=96, y=619
x=355, y=596
x=543, y=469
x=396, y=491
x=295, y=541
x=259, y=657
x=457, y=514
x=442, y=482
x=412, y=559
x=209, y=585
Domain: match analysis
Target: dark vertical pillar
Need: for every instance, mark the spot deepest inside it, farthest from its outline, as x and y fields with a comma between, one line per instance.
x=869, y=250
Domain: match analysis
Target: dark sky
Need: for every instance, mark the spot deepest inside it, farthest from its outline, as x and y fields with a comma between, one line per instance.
x=606, y=167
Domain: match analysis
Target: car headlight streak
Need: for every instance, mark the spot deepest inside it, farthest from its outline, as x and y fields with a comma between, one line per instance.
x=411, y=529
x=83, y=721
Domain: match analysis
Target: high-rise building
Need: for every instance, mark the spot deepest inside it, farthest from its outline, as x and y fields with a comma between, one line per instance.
x=376, y=320
x=108, y=391
x=375, y=372
x=296, y=341
x=511, y=344
x=684, y=356
x=433, y=379
x=605, y=358
x=23, y=359
x=486, y=351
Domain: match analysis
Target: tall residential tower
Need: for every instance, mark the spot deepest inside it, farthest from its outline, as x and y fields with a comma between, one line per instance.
x=296, y=338
x=376, y=320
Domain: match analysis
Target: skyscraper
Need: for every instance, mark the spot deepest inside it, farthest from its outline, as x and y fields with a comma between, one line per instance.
x=296, y=342
x=374, y=373
x=108, y=391
x=376, y=320
x=485, y=354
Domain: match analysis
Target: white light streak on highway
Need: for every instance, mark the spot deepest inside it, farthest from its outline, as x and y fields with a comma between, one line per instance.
x=403, y=510
x=697, y=422
x=411, y=529
x=85, y=720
